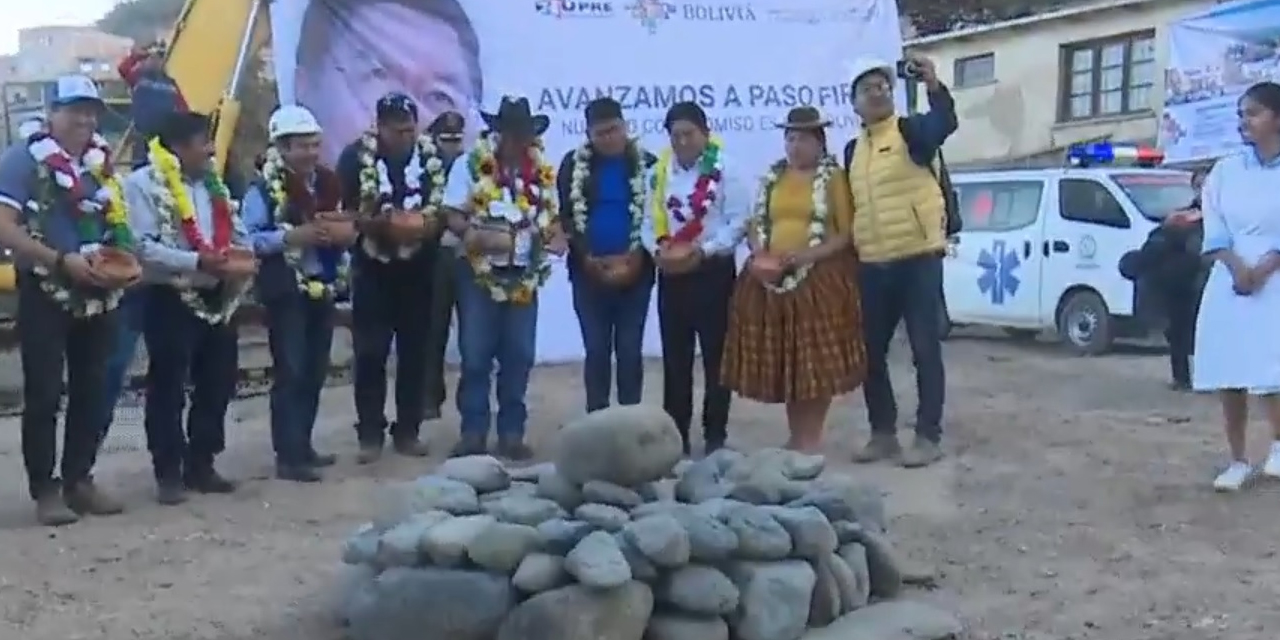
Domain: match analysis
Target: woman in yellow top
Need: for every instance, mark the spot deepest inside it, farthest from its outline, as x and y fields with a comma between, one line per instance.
x=795, y=326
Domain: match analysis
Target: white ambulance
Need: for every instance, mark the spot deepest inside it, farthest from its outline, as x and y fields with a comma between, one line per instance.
x=1040, y=247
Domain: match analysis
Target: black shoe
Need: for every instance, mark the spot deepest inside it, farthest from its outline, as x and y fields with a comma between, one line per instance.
x=713, y=445
x=513, y=449
x=298, y=473
x=411, y=447
x=469, y=446
x=208, y=480
x=170, y=493
x=1180, y=385
x=321, y=460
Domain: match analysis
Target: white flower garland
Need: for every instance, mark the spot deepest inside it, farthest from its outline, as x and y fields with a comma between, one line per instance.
x=167, y=220
x=827, y=166
x=581, y=176
x=94, y=160
x=484, y=190
x=375, y=187
x=274, y=173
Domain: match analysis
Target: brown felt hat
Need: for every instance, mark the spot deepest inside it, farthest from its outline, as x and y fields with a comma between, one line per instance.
x=804, y=118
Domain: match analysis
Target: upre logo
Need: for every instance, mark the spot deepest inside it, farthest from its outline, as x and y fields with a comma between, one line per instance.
x=572, y=9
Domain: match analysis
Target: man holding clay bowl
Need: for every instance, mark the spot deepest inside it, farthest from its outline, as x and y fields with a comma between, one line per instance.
x=63, y=216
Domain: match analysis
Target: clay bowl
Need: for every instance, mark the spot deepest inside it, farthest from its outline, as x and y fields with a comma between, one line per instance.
x=406, y=225
x=241, y=260
x=117, y=265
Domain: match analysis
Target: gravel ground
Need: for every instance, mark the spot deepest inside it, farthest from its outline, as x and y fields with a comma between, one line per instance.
x=1074, y=504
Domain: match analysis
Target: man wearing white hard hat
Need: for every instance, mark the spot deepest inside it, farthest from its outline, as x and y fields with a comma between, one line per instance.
x=292, y=216
x=905, y=212
x=60, y=219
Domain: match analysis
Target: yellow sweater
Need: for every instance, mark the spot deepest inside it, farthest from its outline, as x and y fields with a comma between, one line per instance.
x=791, y=209
x=898, y=208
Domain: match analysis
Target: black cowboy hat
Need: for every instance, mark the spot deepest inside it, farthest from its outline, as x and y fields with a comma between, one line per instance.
x=516, y=117
x=805, y=119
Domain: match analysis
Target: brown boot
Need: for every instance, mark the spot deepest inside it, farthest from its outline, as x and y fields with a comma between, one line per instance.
x=879, y=447
x=86, y=499
x=52, y=510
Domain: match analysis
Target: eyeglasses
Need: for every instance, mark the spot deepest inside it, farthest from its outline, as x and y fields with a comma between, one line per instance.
x=873, y=88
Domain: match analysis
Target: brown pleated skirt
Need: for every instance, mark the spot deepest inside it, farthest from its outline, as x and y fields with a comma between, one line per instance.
x=805, y=344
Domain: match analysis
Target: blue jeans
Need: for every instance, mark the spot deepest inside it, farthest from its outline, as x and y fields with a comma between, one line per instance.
x=300, y=333
x=612, y=322
x=132, y=308
x=907, y=291
x=490, y=331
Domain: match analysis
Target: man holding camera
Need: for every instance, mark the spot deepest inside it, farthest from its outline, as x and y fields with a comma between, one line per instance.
x=900, y=232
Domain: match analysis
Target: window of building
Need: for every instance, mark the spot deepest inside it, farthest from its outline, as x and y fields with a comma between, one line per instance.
x=999, y=206
x=1107, y=77
x=1090, y=202
x=975, y=71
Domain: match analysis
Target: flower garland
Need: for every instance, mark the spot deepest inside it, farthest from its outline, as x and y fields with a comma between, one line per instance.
x=57, y=170
x=534, y=194
x=285, y=191
x=705, y=192
x=581, y=176
x=827, y=166
x=376, y=189
x=177, y=216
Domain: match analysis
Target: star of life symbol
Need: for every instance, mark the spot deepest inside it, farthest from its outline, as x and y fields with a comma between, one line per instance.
x=650, y=13
x=999, y=278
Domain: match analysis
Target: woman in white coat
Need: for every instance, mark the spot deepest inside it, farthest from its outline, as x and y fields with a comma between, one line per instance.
x=1237, y=351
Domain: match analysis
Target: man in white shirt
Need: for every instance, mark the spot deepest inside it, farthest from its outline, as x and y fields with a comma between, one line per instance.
x=502, y=203
x=696, y=217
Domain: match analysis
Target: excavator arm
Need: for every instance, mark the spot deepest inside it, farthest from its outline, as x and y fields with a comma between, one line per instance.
x=211, y=43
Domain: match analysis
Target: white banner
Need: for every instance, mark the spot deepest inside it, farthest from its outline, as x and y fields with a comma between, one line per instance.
x=1213, y=57
x=746, y=63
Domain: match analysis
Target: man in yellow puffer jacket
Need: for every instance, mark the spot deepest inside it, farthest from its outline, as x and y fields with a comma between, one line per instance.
x=899, y=229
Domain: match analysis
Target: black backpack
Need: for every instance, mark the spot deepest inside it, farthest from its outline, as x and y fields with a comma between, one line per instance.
x=940, y=173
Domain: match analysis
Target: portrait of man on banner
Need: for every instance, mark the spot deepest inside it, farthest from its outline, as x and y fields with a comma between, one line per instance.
x=351, y=52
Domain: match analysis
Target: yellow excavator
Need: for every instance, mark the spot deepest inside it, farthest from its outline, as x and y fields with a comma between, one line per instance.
x=210, y=74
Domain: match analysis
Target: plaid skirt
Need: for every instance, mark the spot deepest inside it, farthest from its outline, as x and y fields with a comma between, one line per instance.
x=805, y=344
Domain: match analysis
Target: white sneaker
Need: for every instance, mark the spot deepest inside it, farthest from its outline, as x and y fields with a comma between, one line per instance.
x=1272, y=467
x=1234, y=477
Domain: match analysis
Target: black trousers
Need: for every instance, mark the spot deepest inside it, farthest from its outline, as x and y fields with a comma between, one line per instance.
x=391, y=302
x=48, y=336
x=182, y=349
x=1181, y=307
x=300, y=334
x=693, y=310
x=907, y=291
x=443, y=302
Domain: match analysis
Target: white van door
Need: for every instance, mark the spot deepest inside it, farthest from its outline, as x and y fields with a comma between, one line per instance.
x=993, y=272
x=1083, y=243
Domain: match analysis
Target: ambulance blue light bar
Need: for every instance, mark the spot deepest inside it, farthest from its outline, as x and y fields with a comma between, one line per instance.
x=1106, y=153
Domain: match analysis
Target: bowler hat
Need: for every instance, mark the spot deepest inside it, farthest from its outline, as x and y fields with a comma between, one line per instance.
x=804, y=118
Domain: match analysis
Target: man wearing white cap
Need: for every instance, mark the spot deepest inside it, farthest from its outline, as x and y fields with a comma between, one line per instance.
x=61, y=215
x=290, y=212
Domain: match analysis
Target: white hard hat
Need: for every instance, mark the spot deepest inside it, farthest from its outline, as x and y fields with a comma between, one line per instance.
x=863, y=66
x=292, y=120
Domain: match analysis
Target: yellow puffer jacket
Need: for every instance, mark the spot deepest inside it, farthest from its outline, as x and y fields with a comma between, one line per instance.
x=898, y=208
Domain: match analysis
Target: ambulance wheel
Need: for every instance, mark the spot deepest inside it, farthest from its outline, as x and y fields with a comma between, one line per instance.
x=1084, y=323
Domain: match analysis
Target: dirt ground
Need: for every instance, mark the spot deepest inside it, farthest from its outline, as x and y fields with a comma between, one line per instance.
x=1074, y=504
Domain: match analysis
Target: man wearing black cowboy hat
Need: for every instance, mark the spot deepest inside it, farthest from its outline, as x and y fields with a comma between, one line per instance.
x=503, y=207
x=447, y=130
x=602, y=201
x=391, y=180
x=153, y=95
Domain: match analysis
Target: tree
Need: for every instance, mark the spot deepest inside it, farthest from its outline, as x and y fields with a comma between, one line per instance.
x=141, y=19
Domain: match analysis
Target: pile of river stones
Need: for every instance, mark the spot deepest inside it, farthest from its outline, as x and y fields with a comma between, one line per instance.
x=621, y=539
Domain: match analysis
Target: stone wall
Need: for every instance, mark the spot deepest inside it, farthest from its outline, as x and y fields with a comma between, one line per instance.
x=620, y=539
